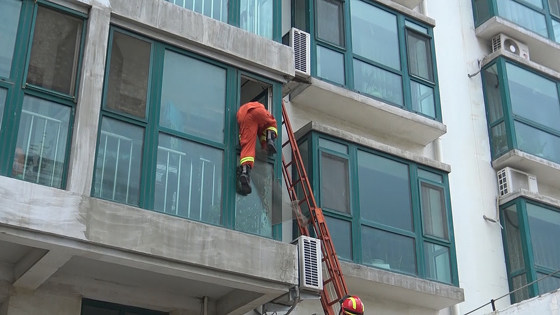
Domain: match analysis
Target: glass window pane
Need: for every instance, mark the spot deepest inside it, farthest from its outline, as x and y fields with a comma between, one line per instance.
x=482, y=11
x=304, y=152
x=417, y=27
x=423, y=99
x=554, y=6
x=188, y=180
x=193, y=97
x=419, y=56
x=257, y=17
x=300, y=14
x=556, y=28
x=331, y=145
x=254, y=212
x=537, y=3
x=55, y=51
x=377, y=82
x=434, y=213
x=438, y=266
x=533, y=97
x=492, y=93
x=518, y=282
x=330, y=65
x=335, y=186
x=544, y=225
x=9, y=15
x=341, y=233
x=119, y=162
x=523, y=16
x=537, y=142
x=388, y=250
x=374, y=34
x=216, y=9
x=129, y=70
x=513, y=239
x=330, y=24
x=549, y=284
x=92, y=310
x=430, y=176
x=3, y=93
x=41, y=143
x=499, y=140
x=384, y=191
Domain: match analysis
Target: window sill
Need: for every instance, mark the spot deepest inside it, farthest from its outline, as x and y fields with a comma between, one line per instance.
x=367, y=112
x=411, y=4
x=406, y=7
x=541, y=50
x=363, y=280
x=547, y=172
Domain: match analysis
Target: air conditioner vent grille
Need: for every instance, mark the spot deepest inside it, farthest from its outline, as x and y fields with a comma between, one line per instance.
x=311, y=268
x=300, y=42
x=511, y=180
x=309, y=263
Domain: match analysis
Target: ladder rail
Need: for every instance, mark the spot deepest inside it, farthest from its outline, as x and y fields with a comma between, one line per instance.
x=316, y=220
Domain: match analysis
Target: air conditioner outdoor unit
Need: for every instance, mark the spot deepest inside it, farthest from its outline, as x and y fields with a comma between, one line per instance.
x=310, y=267
x=506, y=43
x=300, y=42
x=511, y=180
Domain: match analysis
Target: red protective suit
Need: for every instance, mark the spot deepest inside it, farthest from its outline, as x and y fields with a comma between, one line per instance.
x=253, y=120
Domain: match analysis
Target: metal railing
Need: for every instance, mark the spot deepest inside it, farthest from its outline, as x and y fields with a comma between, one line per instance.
x=128, y=145
x=216, y=11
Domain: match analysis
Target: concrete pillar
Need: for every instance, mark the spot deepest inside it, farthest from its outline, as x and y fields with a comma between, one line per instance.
x=37, y=303
x=82, y=152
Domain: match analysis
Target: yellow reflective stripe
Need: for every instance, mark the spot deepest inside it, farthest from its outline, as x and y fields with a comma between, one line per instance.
x=247, y=159
x=273, y=129
x=353, y=302
x=263, y=138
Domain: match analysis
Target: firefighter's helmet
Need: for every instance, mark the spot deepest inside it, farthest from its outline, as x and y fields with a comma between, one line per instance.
x=352, y=305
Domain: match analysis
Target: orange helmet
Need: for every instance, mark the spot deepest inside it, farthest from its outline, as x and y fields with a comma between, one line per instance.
x=352, y=305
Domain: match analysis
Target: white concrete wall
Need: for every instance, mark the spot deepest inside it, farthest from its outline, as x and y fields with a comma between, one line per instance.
x=37, y=302
x=546, y=304
x=480, y=255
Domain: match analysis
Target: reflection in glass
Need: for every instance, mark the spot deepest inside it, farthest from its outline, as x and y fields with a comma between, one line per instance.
x=193, y=97
x=384, y=187
x=549, y=284
x=388, y=251
x=513, y=239
x=41, y=142
x=55, y=51
x=423, y=99
x=537, y=142
x=330, y=21
x=9, y=15
x=374, y=34
x=216, y=9
x=188, y=181
x=518, y=282
x=522, y=15
x=544, y=227
x=254, y=212
x=438, y=265
x=434, y=213
x=335, y=185
x=377, y=82
x=419, y=56
x=341, y=233
x=331, y=145
x=119, y=162
x=257, y=16
x=492, y=93
x=499, y=139
x=330, y=65
x=430, y=176
x=129, y=70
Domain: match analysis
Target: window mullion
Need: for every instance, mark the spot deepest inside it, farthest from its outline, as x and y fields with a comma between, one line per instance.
x=229, y=177
x=348, y=55
x=527, y=247
x=506, y=103
x=403, y=50
x=356, y=236
x=417, y=219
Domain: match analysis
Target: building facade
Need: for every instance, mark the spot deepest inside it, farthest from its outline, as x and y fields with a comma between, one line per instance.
x=429, y=130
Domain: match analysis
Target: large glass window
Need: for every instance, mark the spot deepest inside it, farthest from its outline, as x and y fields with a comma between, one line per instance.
x=537, y=16
x=166, y=136
x=383, y=211
x=92, y=307
x=40, y=94
x=383, y=54
x=530, y=233
x=261, y=17
x=532, y=101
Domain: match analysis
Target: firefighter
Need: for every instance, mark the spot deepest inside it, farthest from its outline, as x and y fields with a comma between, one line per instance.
x=254, y=121
x=351, y=305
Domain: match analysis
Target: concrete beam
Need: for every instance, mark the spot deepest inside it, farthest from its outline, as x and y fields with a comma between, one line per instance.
x=37, y=266
x=240, y=302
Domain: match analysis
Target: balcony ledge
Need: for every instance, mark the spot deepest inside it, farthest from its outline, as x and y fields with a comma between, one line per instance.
x=524, y=193
x=367, y=112
x=541, y=50
x=547, y=172
x=406, y=7
x=378, y=283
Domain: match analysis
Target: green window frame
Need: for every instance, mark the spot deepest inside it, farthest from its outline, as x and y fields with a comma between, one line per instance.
x=267, y=21
x=180, y=160
x=356, y=226
x=92, y=307
x=549, y=10
x=528, y=226
x=393, y=77
x=38, y=89
x=509, y=122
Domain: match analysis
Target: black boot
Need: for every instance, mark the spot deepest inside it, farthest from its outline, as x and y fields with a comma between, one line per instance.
x=244, y=179
x=270, y=145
